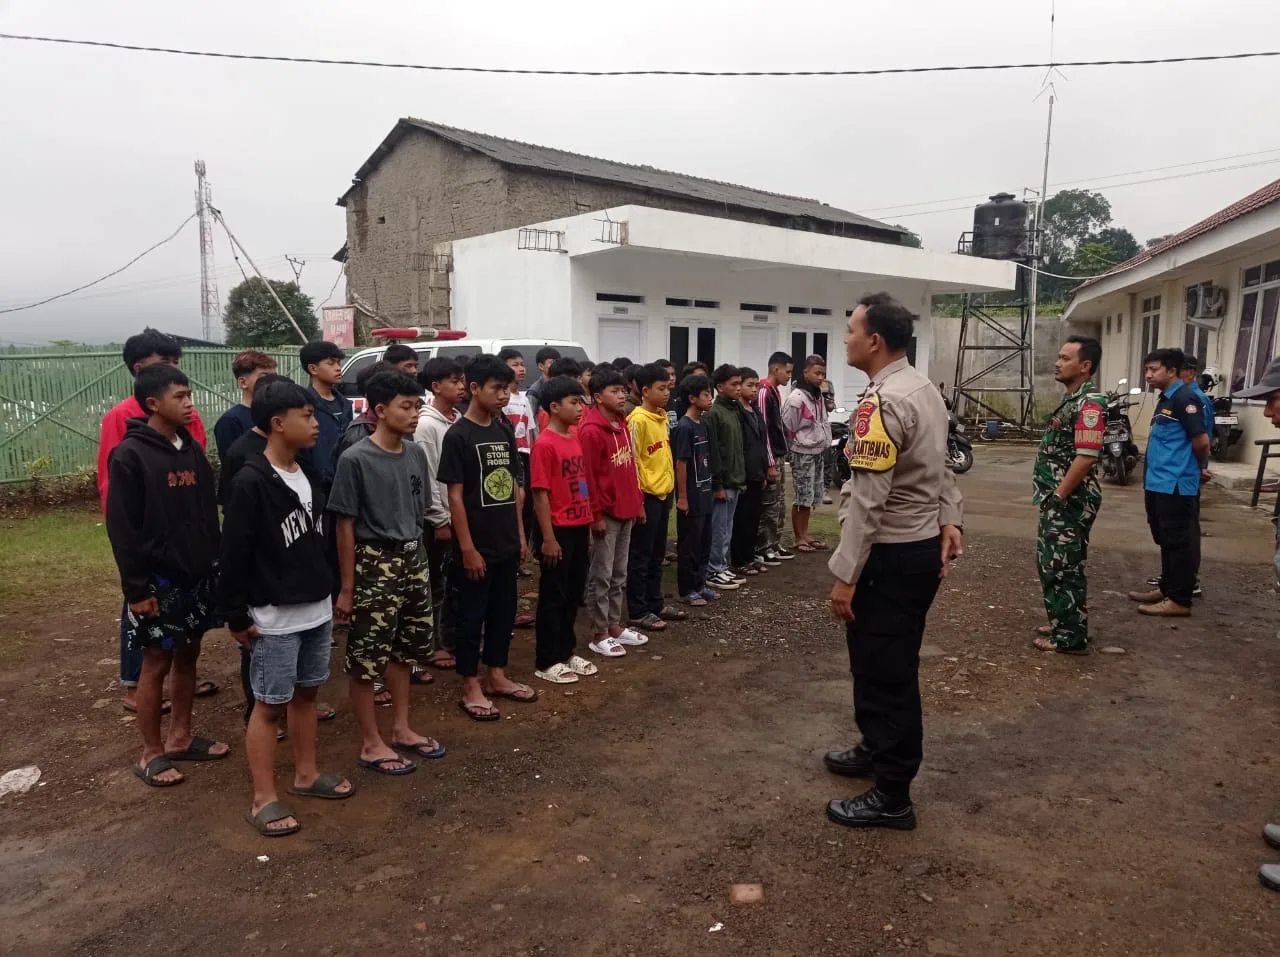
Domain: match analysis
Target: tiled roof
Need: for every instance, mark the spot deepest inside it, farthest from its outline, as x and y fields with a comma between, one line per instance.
x=546, y=159
x=1241, y=207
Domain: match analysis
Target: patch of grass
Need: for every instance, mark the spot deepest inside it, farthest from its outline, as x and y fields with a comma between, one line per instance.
x=51, y=554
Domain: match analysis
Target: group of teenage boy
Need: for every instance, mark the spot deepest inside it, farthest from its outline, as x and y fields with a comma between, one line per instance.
x=410, y=525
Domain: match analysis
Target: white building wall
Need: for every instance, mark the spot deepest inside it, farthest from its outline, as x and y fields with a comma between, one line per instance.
x=500, y=291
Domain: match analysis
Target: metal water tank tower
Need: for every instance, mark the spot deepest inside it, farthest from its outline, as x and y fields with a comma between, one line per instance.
x=1000, y=228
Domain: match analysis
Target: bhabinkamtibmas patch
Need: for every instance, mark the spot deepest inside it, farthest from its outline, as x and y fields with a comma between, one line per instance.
x=869, y=448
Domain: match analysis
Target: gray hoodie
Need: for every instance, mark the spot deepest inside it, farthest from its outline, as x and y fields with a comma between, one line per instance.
x=432, y=425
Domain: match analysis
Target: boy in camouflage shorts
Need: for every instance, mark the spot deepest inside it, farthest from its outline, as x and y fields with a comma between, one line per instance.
x=380, y=496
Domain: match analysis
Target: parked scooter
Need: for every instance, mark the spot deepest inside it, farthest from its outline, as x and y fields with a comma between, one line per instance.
x=836, y=465
x=1119, y=455
x=959, y=448
x=1226, y=423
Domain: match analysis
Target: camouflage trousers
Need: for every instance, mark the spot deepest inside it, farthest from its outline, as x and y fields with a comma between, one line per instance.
x=1062, y=548
x=391, y=617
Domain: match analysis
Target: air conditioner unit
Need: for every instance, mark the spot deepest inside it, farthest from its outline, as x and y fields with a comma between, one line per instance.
x=1206, y=305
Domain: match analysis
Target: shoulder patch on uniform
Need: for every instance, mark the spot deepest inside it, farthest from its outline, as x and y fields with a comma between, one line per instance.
x=1091, y=418
x=1192, y=408
x=869, y=448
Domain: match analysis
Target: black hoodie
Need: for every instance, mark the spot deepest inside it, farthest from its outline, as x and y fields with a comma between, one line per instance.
x=162, y=511
x=273, y=552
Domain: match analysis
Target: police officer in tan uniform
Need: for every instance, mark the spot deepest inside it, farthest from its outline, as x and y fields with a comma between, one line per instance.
x=900, y=528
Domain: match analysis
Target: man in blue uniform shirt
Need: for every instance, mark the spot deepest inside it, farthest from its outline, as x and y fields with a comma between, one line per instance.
x=1177, y=454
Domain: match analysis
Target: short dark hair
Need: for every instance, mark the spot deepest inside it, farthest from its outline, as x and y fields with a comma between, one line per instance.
x=564, y=365
x=780, y=359
x=630, y=372
x=889, y=319
x=1191, y=363
x=251, y=360
x=724, y=373
x=559, y=388
x=694, y=384
x=665, y=363
x=622, y=363
x=149, y=342
x=266, y=380
x=748, y=373
x=398, y=352
x=692, y=367
x=587, y=366
x=1169, y=358
x=441, y=367
x=815, y=360
x=371, y=370
x=603, y=376
x=646, y=376
x=385, y=387
x=313, y=353
x=154, y=381
x=545, y=353
x=1090, y=350
x=484, y=367
x=510, y=353
x=276, y=398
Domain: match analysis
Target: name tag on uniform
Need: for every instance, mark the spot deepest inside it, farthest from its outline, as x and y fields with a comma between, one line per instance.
x=869, y=448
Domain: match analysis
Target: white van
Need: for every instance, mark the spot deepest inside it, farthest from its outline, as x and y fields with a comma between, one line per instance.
x=431, y=348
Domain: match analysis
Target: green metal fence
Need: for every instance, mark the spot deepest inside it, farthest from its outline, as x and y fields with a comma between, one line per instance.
x=51, y=405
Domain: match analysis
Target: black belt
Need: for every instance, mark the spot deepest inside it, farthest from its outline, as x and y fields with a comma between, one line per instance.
x=392, y=546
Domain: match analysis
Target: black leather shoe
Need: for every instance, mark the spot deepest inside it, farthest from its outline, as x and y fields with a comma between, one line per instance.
x=854, y=763
x=873, y=808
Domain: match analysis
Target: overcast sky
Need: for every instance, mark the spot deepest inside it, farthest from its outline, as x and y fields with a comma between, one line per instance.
x=98, y=145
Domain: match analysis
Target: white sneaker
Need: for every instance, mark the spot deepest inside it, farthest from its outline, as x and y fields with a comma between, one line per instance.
x=630, y=636
x=557, y=674
x=608, y=647
x=580, y=666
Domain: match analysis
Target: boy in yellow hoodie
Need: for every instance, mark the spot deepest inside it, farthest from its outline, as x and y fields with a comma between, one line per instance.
x=649, y=429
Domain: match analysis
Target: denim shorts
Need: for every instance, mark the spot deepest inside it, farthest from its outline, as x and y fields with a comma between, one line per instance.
x=280, y=663
x=809, y=476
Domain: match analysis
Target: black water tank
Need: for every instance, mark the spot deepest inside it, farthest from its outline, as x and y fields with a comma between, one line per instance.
x=1000, y=228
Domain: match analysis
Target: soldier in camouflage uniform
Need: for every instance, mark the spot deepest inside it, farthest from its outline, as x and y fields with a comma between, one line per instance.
x=1068, y=494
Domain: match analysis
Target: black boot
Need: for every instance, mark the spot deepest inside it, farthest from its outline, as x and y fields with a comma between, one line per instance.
x=854, y=763
x=874, y=808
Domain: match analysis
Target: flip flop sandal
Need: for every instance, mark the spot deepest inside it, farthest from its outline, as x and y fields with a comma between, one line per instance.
x=165, y=706
x=522, y=693
x=207, y=689
x=671, y=613
x=382, y=698
x=156, y=766
x=480, y=712
x=696, y=601
x=275, y=811
x=819, y=545
x=805, y=548
x=380, y=766
x=417, y=677
x=523, y=621
x=649, y=622
x=326, y=712
x=443, y=662
x=608, y=648
x=325, y=787
x=421, y=750
x=281, y=734
x=197, y=750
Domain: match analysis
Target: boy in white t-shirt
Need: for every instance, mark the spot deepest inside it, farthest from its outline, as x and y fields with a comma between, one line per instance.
x=274, y=591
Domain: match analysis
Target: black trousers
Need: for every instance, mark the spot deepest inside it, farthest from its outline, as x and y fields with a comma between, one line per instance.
x=532, y=531
x=440, y=562
x=892, y=600
x=560, y=590
x=1175, y=527
x=746, y=522
x=693, y=548
x=644, y=564
x=486, y=615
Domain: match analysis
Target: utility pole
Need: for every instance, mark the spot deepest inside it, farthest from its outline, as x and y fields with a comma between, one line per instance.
x=265, y=281
x=1033, y=283
x=210, y=303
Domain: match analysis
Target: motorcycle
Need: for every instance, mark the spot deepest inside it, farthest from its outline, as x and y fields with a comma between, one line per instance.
x=1119, y=453
x=837, y=466
x=959, y=448
x=1226, y=423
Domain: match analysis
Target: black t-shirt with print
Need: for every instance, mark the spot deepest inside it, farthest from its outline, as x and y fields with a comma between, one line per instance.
x=691, y=443
x=483, y=460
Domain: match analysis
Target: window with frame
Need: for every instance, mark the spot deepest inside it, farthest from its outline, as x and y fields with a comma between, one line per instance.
x=1195, y=341
x=1150, y=340
x=1256, y=339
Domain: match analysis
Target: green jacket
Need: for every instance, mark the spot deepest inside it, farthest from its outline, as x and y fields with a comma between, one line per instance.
x=728, y=466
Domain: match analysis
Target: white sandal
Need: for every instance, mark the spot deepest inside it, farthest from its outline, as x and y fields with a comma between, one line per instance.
x=580, y=666
x=630, y=636
x=557, y=674
x=608, y=647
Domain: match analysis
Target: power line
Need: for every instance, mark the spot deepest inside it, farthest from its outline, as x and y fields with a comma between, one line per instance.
x=114, y=272
x=520, y=71
x=336, y=280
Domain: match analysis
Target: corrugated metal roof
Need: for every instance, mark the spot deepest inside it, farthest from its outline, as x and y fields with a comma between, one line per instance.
x=1241, y=207
x=546, y=159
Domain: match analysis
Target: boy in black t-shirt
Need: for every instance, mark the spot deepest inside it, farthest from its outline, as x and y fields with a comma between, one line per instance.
x=479, y=463
x=691, y=447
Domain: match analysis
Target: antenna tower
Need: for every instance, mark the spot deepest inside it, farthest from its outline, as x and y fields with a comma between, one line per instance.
x=210, y=303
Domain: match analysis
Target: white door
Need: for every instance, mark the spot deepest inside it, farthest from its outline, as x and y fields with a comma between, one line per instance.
x=688, y=341
x=756, y=344
x=619, y=337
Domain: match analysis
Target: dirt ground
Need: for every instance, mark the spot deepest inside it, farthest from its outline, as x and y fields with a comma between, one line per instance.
x=1070, y=806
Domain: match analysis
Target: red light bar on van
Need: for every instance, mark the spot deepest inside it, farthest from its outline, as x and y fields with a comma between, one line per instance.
x=417, y=332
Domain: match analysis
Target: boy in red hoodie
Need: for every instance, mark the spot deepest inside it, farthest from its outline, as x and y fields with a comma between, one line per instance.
x=617, y=503
x=146, y=348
